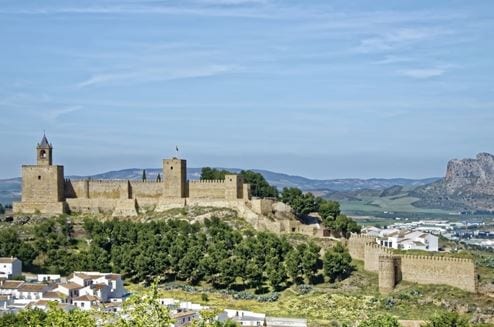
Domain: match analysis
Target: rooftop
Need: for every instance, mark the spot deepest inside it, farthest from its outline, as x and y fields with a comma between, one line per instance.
x=8, y=259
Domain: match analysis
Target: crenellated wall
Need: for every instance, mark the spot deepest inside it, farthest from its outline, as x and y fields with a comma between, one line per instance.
x=210, y=189
x=456, y=272
x=146, y=189
x=45, y=189
x=356, y=245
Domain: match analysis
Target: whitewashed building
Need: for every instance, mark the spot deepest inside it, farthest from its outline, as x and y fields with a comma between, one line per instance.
x=10, y=267
x=407, y=240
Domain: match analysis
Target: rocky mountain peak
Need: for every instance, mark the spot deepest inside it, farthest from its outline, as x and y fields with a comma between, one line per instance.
x=471, y=175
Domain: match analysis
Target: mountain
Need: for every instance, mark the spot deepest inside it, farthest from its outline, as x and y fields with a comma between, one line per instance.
x=10, y=188
x=468, y=185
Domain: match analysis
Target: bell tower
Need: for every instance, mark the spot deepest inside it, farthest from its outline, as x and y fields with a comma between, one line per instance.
x=44, y=152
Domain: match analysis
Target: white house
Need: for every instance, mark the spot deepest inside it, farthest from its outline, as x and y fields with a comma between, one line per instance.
x=114, y=291
x=47, y=278
x=184, y=318
x=406, y=240
x=85, y=302
x=10, y=287
x=242, y=317
x=29, y=291
x=10, y=267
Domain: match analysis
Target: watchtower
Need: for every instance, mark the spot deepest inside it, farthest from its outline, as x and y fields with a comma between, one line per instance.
x=42, y=184
x=175, y=175
x=389, y=272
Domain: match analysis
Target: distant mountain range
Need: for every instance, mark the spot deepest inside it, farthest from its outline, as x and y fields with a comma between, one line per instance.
x=10, y=188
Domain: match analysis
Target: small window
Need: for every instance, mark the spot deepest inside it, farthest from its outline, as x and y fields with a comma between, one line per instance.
x=39, y=177
x=171, y=168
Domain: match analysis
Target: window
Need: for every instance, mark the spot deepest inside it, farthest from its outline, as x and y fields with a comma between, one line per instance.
x=82, y=304
x=39, y=177
x=42, y=154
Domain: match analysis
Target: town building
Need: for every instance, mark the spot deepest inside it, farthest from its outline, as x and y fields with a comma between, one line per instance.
x=10, y=267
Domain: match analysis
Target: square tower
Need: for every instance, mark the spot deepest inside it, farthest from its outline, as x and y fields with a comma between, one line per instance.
x=42, y=184
x=175, y=176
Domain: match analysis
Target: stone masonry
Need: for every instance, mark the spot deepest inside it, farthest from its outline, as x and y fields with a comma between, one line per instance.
x=45, y=190
x=393, y=268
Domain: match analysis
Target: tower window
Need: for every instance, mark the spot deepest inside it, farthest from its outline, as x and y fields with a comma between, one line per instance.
x=171, y=168
x=39, y=177
x=42, y=154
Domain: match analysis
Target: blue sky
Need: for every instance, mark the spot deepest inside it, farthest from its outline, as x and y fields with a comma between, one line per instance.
x=323, y=89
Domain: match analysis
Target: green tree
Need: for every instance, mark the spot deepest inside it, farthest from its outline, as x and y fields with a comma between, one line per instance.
x=259, y=186
x=310, y=261
x=208, y=173
x=337, y=263
x=384, y=320
x=344, y=225
x=329, y=210
x=447, y=319
x=145, y=311
x=75, y=318
x=144, y=177
x=301, y=203
x=2, y=209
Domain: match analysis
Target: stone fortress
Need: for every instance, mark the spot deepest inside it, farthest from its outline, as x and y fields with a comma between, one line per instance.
x=393, y=268
x=45, y=190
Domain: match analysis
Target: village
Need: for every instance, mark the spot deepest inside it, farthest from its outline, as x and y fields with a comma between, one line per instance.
x=105, y=292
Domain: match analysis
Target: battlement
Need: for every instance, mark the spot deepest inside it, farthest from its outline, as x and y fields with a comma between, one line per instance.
x=424, y=269
x=208, y=181
x=436, y=258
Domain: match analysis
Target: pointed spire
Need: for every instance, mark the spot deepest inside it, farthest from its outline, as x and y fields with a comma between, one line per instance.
x=44, y=142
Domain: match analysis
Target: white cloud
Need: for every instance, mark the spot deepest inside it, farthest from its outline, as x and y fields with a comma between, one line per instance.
x=156, y=75
x=422, y=73
x=399, y=38
x=55, y=114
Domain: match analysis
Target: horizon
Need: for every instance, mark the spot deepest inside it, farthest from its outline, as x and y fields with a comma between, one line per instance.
x=324, y=91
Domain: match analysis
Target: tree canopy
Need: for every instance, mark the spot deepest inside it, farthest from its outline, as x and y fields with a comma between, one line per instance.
x=384, y=320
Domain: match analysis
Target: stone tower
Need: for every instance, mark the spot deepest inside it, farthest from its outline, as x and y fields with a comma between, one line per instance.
x=175, y=175
x=44, y=152
x=389, y=273
x=42, y=184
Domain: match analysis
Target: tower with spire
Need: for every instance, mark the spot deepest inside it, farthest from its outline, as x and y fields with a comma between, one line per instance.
x=43, y=184
x=44, y=152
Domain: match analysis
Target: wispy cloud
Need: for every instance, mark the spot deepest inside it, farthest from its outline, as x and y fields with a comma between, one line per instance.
x=422, y=73
x=153, y=75
x=399, y=38
x=55, y=114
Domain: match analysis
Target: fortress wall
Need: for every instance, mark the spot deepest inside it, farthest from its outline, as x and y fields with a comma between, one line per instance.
x=356, y=245
x=92, y=205
x=454, y=272
x=210, y=189
x=262, y=206
x=146, y=189
x=49, y=208
x=106, y=189
x=76, y=189
x=371, y=256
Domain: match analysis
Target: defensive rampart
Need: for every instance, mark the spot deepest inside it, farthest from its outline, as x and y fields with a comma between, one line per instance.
x=393, y=267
